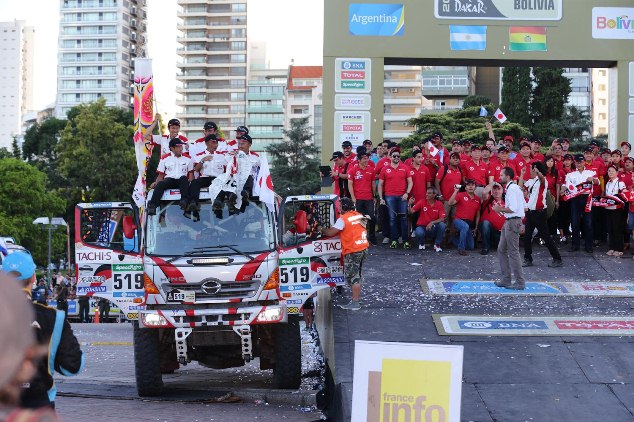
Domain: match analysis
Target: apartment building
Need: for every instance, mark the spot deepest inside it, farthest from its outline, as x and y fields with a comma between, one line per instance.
x=16, y=78
x=265, y=106
x=212, y=73
x=98, y=42
x=402, y=91
x=600, y=102
x=304, y=97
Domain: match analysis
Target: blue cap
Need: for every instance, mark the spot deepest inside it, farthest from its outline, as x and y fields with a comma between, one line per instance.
x=21, y=263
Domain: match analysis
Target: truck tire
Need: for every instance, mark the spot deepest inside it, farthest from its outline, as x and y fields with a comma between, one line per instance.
x=288, y=355
x=147, y=366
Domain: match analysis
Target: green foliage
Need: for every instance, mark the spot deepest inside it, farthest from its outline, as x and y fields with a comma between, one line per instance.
x=573, y=125
x=461, y=124
x=23, y=198
x=516, y=94
x=295, y=163
x=15, y=148
x=41, y=139
x=476, y=100
x=5, y=153
x=550, y=94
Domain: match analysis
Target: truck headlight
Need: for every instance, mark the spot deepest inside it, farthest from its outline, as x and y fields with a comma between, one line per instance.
x=154, y=320
x=270, y=315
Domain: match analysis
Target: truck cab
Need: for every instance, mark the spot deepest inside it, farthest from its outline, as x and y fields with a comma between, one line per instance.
x=221, y=286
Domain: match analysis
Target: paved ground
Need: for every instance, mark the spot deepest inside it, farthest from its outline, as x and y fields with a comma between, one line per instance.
x=504, y=378
x=106, y=389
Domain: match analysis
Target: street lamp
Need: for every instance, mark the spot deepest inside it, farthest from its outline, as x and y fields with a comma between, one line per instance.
x=50, y=225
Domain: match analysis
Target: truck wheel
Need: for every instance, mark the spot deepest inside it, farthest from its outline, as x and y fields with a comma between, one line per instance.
x=147, y=366
x=288, y=355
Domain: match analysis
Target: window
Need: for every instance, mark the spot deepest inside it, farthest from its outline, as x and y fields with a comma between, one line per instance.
x=393, y=90
x=602, y=72
x=601, y=87
x=602, y=116
x=602, y=101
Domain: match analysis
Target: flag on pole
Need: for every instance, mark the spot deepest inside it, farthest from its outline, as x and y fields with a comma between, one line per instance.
x=264, y=185
x=143, y=117
x=483, y=112
x=500, y=116
x=432, y=149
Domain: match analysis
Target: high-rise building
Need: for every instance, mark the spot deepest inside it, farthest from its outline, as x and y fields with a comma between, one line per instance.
x=600, y=102
x=265, y=109
x=213, y=70
x=304, y=97
x=402, y=90
x=445, y=87
x=16, y=78
x=98, y=42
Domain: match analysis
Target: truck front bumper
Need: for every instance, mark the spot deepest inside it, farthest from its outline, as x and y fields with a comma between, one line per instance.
x=233, y=316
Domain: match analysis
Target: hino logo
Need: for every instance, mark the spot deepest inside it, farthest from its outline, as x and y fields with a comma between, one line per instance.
x=211, y=287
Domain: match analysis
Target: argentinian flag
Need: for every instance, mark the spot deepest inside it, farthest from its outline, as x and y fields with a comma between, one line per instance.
x=467, y=37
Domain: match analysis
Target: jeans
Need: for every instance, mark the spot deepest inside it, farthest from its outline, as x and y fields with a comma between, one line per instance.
x=490, y=236
x=366, y=207
x=397, y=209
x=465, y=237
x=579, y=216
x=437, y=231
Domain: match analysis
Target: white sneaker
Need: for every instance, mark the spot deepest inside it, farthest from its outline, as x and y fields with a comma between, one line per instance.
x=437, y=248
x=412, y=234
x=385, y=241
x=421, y=247
x=352, y=306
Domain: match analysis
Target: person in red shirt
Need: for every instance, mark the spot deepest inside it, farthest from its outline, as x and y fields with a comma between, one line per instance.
x=499, y=163
x=443, y=153
x=466, y=152
x=486, y=158
x=363, y=189
x=431, y=217
x=395, y=186
x=384, y=215
x=491, y=222
x=606, y=158
x=475, y=169
x=564, y=211
x=557, y=152
x=421, y=179
x=456, y=146
x=340, y=175
x=467, y=215
x=626, y=148
x=348, y=155
x=508, y=141
x=490, y=144
x=447, y=177
x=626, y=175
x=555, y=180
x=536, y=144
x=615, y=159
x=523, y=161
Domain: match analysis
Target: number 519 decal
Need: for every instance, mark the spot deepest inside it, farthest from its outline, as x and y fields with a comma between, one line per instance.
x=294, y=274
x=125, y=281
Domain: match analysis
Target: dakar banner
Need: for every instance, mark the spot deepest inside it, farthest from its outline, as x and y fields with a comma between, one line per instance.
x=517, y=10
x=143, y=117
x=406, y=382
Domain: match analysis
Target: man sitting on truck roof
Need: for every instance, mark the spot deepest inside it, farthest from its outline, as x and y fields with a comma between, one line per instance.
x=175, y=170
x=210, y=163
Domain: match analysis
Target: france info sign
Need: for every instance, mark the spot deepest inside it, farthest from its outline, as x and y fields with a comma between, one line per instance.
x=406, y=382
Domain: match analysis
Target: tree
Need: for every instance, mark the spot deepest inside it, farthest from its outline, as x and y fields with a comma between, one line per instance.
x=95, y=157
x=574, y=124
x=23, y=198
x=15, y=148
x=476, y=100
x=41, y=139
x=516, y=94
x=295, y=167
x=459, y=124
x=550, y=94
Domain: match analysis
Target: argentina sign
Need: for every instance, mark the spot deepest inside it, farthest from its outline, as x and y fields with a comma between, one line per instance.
x=544, y=10
x=383, y=20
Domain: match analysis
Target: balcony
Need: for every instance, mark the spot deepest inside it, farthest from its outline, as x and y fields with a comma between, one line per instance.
x=266, y=134
x=263, y=109
x=253, y=120
x=268, y=96
x=446, y=83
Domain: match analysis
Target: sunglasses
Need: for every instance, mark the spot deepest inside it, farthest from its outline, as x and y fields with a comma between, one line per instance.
x=396, y=156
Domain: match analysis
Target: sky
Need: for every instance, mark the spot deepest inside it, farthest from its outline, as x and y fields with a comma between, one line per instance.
x=271, y=21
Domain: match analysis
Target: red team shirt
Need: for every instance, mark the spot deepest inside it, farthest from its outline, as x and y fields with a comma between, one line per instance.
x=495, y=218
x=394, y=179
x=626, y=177
x=477, y=172
x=496, y=167
x=420, y=178
x=428, y=212
x=520, y=163
x=453, y=177
x=362, y=180
x=466, y=207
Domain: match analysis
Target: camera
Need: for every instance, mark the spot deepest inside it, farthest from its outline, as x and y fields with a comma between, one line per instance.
x=457, y=186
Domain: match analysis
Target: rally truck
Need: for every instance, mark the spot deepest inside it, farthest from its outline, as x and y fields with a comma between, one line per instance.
x=220, y=287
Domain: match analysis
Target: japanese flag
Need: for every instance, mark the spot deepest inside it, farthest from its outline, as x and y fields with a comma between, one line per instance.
x=432, y=149
x=500, y=116
x=572, y=189
x=264, y=184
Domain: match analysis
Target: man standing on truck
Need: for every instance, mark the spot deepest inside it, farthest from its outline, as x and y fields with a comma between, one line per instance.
x=175, y=170
x=173, y=127
x=354, y=248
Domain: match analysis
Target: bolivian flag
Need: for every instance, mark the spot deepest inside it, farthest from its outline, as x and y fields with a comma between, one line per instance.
x=527, y=38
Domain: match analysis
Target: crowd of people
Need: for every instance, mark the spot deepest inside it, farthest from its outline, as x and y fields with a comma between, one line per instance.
x=454, y=196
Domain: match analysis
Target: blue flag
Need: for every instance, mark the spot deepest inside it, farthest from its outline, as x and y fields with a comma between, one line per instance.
x=483, y=112
x=467, y=37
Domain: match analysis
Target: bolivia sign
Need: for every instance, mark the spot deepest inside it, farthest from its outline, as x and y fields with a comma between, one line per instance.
x=385, y=20
x=519, y=10
x=406, y=382
x=353, y=75
x=613, y=23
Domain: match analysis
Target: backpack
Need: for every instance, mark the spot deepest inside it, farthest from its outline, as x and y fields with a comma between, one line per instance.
x=550, y=204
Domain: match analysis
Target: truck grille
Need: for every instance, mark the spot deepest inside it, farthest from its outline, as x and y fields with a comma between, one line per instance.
x=228, y=289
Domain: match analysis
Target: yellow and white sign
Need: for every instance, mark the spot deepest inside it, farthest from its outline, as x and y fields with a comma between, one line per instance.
x=403, y=382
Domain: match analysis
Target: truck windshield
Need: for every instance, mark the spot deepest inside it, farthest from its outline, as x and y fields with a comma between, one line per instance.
x=171, y=233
